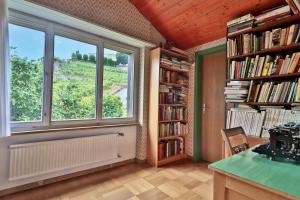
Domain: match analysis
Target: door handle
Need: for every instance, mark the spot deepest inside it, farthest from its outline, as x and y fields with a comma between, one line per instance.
x=204, y=108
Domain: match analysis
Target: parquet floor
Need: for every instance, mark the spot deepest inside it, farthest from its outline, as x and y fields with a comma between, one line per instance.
x=185, y=180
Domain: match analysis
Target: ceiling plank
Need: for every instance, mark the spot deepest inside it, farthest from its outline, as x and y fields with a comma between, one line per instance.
x=193, y=22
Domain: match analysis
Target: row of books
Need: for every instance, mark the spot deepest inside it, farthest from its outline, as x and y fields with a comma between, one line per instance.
x=172, y=98
x=168, y=148
x=172, y=77
x=249, y=21
x=248, y=43
x=172, y=129
x=264, y=66
x=172, y=113
x=249, y=119
x=258, y=123
x=273, y=92
x=278, y=116
x=236, y=91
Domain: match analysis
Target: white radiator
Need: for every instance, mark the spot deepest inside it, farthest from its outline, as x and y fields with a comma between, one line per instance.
x=32, y=159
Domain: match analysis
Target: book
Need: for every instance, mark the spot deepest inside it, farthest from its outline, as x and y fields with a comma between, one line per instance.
x=297, y=93
x=240, y=19
x=276, y=34
x=294, y=63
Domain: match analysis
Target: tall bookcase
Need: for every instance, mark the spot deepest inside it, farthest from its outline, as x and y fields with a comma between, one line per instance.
x=260, y=79
x=168, y=124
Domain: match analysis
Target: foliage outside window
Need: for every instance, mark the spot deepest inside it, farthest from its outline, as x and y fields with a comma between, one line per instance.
x=26, y=55
x=75, y=87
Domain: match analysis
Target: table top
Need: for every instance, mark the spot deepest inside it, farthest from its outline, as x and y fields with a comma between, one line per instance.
x=280, y=176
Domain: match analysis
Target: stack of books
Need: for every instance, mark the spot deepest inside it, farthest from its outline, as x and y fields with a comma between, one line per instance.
x=240, y=24
x=172, y=95
x=185, y=65
x=166, y=61
x=264, y=66
x=176, y=62
x=248, y=43
x=294, y=5
x=172, y=113
x=236, y=91
x=168, y=148
x=273, y=92
x=172, y=129
x=272, y=15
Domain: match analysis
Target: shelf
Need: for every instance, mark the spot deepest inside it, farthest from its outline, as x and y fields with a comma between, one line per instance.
x=173, y=84
x=282, y=49
x=171, y=137
x=276, y=24
x=174, y=54
x=280, y=76
x=170, y=121
x=174, y=105
x=171, y=159
x=262, y=104
x=174, y=69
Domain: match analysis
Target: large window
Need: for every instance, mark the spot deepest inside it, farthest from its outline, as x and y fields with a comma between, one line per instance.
x=62, y=77
x=74, y=80
x=117, y=91
x=27, y=47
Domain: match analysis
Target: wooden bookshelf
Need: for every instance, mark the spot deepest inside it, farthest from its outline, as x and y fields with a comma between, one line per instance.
x=262, y=104
x=243, y=67
x=159, y=140
x=174, y=69
x=276, y=50
x=173, y=84
x=276, y=24
x=272, y=77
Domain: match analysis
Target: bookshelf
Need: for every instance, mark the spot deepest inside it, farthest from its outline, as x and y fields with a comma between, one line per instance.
x=263, y=64
x=168, y=124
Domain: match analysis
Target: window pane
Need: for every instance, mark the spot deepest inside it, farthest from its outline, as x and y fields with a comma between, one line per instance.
x=74, y=80
x=117, y=85
x=27, y=69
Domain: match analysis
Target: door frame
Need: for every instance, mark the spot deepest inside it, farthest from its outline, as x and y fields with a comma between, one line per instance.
x=198, y=97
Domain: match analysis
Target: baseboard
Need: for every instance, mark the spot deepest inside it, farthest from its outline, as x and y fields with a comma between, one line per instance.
x=141, y=161
x=62, y=178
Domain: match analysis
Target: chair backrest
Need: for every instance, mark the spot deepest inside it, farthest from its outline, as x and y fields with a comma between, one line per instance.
x=235, y=140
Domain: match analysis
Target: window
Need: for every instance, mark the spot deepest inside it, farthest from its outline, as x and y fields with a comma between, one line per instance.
x=117, y=87
x=63, y=77
x=74, y=80
x=27, y=70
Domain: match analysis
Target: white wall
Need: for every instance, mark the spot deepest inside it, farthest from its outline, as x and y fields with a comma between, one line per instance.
x=127, y=150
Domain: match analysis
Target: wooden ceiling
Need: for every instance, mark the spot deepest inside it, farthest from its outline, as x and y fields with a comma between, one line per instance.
x=189, y=23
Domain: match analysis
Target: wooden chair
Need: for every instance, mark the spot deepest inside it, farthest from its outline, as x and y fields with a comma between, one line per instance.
x=235, y=140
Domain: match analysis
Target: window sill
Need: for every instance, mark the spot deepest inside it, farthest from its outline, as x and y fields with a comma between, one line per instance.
x=16, y=133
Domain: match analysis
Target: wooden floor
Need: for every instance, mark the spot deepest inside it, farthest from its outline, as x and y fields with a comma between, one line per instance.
x=185, y=180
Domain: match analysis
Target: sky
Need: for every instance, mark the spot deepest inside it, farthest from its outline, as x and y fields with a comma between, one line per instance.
x=31, y=44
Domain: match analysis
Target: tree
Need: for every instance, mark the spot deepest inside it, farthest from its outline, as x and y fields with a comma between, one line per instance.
x=26, y=89
x=78, y=55
x=92, y=58
x=122, y=58
x=112, y=106
x=74, y=56
x=85, y=57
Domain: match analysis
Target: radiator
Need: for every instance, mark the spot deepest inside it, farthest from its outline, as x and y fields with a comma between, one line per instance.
x=32, y=159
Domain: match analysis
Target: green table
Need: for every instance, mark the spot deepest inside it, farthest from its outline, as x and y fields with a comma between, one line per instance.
x=280, y=176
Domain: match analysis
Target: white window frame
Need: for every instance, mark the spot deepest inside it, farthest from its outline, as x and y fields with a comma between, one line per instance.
x=52, y=29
